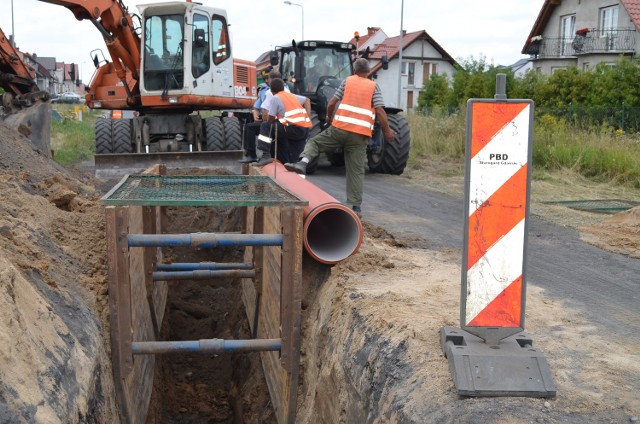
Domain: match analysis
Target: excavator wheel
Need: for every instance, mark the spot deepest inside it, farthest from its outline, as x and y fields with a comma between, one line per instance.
x=122, y=136
x=103, y=135
x=390, y=157
x=232, y=133
x=214, y=134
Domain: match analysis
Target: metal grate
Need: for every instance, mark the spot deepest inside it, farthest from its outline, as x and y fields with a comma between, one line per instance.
x=190, y=190
x=602, y=206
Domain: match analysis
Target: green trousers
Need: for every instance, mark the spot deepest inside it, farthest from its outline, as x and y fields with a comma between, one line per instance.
x=355, y=152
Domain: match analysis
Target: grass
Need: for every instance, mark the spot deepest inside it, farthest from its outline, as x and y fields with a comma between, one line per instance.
x=72, y=140
x=600, y=154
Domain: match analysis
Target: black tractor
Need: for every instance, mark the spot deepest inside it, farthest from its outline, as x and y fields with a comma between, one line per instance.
x=316, y=69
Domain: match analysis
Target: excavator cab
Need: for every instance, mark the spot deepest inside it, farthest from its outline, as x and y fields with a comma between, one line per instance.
x=186, y=53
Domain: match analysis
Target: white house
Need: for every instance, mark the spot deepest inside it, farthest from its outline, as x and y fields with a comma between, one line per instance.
x=422, y=57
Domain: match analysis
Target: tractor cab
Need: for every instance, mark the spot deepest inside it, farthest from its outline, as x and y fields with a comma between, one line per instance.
x=315, y=69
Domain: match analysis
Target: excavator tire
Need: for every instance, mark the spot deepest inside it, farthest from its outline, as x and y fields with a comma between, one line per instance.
x=232, y=133
x=122, y=136
x=391, y=157
x=103, y=135
x=214, y=134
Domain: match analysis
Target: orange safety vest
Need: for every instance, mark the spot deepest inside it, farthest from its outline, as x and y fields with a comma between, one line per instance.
x=294, y=113
x=355, y=113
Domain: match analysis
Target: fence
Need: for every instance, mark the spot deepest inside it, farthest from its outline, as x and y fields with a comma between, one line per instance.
x=622, y=117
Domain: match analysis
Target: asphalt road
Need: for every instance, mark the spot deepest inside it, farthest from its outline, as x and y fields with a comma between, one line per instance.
x=603, y=286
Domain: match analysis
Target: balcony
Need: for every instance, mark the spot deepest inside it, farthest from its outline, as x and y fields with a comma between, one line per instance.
x=586, y=41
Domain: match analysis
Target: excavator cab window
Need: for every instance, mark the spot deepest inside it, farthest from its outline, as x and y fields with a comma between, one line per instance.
x=200, y=56
x=220, y=35
x=163, y=57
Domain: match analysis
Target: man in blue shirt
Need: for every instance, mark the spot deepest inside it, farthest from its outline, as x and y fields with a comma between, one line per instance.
x=251, y=129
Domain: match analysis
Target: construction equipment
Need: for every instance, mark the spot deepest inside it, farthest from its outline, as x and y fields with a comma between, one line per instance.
x=175, y=63
x=23, y=105
x=299, y=64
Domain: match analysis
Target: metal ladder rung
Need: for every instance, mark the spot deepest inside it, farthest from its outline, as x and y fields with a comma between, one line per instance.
x=202, y=274
x=206, y=346
x=204, y=240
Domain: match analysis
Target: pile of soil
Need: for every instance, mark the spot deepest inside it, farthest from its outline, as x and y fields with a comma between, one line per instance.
x=371, y=348
x=54, y=364
x=619, y=233
x=370, y=325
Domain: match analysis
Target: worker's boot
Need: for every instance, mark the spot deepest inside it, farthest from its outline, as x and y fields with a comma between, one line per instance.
x=248, y=159
x=299, y=167
x=265, y=159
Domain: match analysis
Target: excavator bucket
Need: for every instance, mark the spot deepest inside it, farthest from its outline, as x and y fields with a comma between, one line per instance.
x=109, y=166
x=34, y=122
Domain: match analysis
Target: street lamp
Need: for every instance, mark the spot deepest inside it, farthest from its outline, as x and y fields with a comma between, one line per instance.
x=302, y=9
x=13, y=31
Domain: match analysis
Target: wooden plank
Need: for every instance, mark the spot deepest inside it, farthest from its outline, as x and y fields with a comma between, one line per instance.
x=116, y=224
x=155, y=223
x=290, y=307
x=139, y=382
x=249, y=292
x=149, y=227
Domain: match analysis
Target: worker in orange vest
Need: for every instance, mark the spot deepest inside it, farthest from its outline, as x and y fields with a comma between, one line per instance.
x=287, y=124
x=350, y=130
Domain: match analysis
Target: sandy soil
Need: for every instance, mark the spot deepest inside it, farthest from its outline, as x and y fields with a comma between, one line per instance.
x=54, y=364
x=370, y=350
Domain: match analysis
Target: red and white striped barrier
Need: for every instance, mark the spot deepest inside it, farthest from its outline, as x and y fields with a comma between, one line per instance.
x=498, y=156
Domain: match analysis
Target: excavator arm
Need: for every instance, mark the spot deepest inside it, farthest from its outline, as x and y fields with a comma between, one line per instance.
x=115, y=24
x=16, y=79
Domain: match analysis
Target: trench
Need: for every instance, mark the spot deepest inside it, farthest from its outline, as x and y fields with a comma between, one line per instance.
x=207, y=388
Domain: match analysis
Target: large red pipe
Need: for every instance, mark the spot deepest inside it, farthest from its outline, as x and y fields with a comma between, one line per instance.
x=332, y=231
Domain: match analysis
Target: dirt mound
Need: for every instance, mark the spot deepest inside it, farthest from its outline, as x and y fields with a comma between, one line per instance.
x=53, y=359
x=371, y=348
x=618, y=234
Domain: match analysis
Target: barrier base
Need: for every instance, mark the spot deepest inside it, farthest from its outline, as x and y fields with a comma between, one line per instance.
x=513, y=368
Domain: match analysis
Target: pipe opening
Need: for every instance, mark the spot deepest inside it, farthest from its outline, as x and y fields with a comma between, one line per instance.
x=332, y=234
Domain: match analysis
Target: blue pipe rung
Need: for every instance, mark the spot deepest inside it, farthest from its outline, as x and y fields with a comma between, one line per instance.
x=206, y=346
x=202, y=274
x=204, y=240
x=179, y=266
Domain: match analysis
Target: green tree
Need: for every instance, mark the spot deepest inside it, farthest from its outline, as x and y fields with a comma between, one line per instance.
x=436, y=92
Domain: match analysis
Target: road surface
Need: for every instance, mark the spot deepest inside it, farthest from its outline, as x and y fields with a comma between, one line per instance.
x=604, y=286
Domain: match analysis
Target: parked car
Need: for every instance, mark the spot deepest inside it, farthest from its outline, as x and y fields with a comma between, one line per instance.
x=69, y=97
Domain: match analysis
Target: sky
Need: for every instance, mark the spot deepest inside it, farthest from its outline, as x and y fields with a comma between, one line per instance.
x=493, y=29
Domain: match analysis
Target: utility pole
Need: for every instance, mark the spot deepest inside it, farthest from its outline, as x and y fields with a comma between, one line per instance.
x=400, y=57
x=13, y=31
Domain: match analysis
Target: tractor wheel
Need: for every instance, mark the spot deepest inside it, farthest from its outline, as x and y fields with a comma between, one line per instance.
x=390, y=157
x=336, y=157
x=214, y=134
x=316, y=128
x=122, y=136
x=103, y=136
x=232, y=133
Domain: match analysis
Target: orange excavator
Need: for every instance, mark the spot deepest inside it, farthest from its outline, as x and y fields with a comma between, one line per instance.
x=167, y=63
x=22, y=104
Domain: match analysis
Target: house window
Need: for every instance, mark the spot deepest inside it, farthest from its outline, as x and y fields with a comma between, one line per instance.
x=567, y=31
x=608, y=18
x=608, y=25
x=409, y=69
x=585, y=66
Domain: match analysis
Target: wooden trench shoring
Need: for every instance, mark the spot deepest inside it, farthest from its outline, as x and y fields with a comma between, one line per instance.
x=137, y=298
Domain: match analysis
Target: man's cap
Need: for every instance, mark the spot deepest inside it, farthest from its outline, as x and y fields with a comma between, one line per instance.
x=265, y=72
